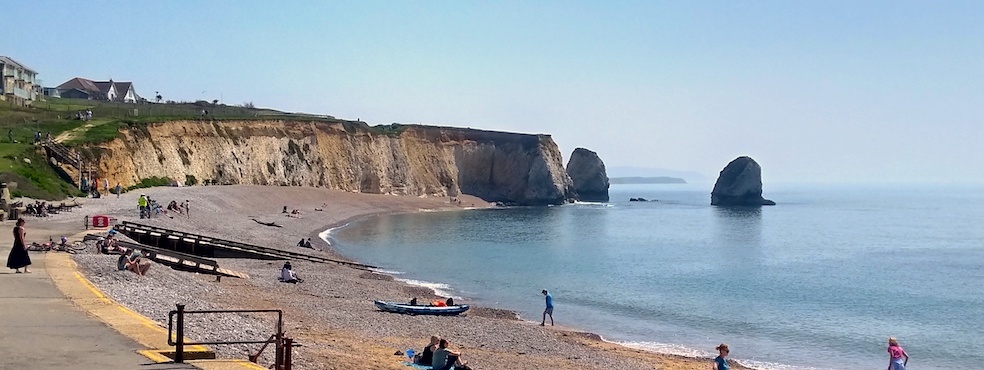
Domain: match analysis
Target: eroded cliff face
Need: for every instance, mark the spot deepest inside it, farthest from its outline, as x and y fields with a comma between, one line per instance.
x=404, y=160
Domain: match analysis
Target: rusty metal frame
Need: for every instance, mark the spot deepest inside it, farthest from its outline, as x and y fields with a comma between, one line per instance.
x=177, y=328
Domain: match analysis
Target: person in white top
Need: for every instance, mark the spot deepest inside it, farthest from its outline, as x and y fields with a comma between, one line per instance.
x=288, y=275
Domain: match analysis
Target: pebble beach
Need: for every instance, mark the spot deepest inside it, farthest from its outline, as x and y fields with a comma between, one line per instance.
x=331, y=314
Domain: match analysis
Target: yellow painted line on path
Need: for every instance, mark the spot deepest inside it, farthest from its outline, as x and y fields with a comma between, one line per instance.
x=155, y=356
x=126, y=310
x=64, y=272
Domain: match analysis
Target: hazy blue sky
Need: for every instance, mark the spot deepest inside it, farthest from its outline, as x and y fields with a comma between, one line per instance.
x=814, y=91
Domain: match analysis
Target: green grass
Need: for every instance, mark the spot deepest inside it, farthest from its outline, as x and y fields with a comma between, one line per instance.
x=151, y=182
x=103, y=130
x=394, y=129
x=65, y=105
x=36, y=179
x=56, y=116
x=7, y=154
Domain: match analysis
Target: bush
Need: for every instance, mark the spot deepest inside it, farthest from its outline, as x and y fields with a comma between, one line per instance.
x=151, y=182
x=190, y=180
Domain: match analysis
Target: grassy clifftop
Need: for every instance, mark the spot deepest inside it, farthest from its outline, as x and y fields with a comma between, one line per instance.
x=24, y=163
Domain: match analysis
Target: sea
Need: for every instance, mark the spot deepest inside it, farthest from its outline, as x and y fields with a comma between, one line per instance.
x=819, y=281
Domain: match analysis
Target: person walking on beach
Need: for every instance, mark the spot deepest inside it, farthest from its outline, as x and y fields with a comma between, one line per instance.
x=18, y=258
x=548, y=310
x=898, y=359
x=119, y=189
x=721, y=362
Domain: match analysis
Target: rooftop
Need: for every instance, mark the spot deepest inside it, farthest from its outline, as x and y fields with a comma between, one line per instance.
x=8, y=60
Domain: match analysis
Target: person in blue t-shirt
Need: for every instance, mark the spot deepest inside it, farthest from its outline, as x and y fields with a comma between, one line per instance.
x=720, y=362
x=548, y=310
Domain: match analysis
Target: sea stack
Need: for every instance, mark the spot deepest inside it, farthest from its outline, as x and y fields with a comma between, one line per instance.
x=739, y=184
x=587, y=171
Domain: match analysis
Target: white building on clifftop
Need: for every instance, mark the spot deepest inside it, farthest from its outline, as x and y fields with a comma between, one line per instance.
x=19, y=85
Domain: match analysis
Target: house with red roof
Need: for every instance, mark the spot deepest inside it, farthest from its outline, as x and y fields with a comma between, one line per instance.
x=82, y=88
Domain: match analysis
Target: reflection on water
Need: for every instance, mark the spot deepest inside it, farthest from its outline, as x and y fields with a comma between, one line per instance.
x=738, y=212
x=738, y=229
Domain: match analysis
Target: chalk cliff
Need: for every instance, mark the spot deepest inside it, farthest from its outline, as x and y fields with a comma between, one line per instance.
x=397, y=159
x=740, y=184
x=587, y=170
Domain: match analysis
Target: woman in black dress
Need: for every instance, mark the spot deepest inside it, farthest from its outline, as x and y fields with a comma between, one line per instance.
x=18, y=257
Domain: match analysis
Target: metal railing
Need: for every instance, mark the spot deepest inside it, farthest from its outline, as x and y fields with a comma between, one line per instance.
x=282, y=357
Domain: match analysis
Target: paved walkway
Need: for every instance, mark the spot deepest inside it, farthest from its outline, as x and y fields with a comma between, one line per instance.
x=42, y=329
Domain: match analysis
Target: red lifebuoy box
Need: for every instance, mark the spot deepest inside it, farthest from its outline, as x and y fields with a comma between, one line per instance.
x=100, y=221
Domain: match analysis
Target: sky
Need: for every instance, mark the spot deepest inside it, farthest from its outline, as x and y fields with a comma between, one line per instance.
x=814, y=91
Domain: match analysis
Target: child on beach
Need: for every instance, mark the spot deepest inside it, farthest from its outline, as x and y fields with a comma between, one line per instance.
x=721, y=362
x=896, y=355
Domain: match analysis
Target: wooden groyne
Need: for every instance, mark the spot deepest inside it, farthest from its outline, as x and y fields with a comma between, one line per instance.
x=212, y=247
x=178, y=260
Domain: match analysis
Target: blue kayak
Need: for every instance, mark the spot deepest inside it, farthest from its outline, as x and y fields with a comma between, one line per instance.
x=421, y=310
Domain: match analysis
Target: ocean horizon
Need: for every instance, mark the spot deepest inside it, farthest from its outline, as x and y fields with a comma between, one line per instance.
x=818, y=281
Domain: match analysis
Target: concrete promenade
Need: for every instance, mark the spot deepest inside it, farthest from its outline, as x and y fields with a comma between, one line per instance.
x=43, y=329
x=54, y=318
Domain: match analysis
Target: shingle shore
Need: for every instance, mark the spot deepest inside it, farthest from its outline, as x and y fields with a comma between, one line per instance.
x=332, y=313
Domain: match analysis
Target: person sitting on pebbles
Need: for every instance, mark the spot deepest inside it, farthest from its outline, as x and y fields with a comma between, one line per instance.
x=132, y=260
x=108, y=244
x=446, y=359
x=288, y=275
x=427, y=356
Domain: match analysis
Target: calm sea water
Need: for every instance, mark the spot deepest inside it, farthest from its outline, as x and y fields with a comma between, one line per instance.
x=819, y=281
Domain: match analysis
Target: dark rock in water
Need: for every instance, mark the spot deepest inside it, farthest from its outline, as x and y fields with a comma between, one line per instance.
x=740, y=184
x=587, y=171
x=638, y=200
